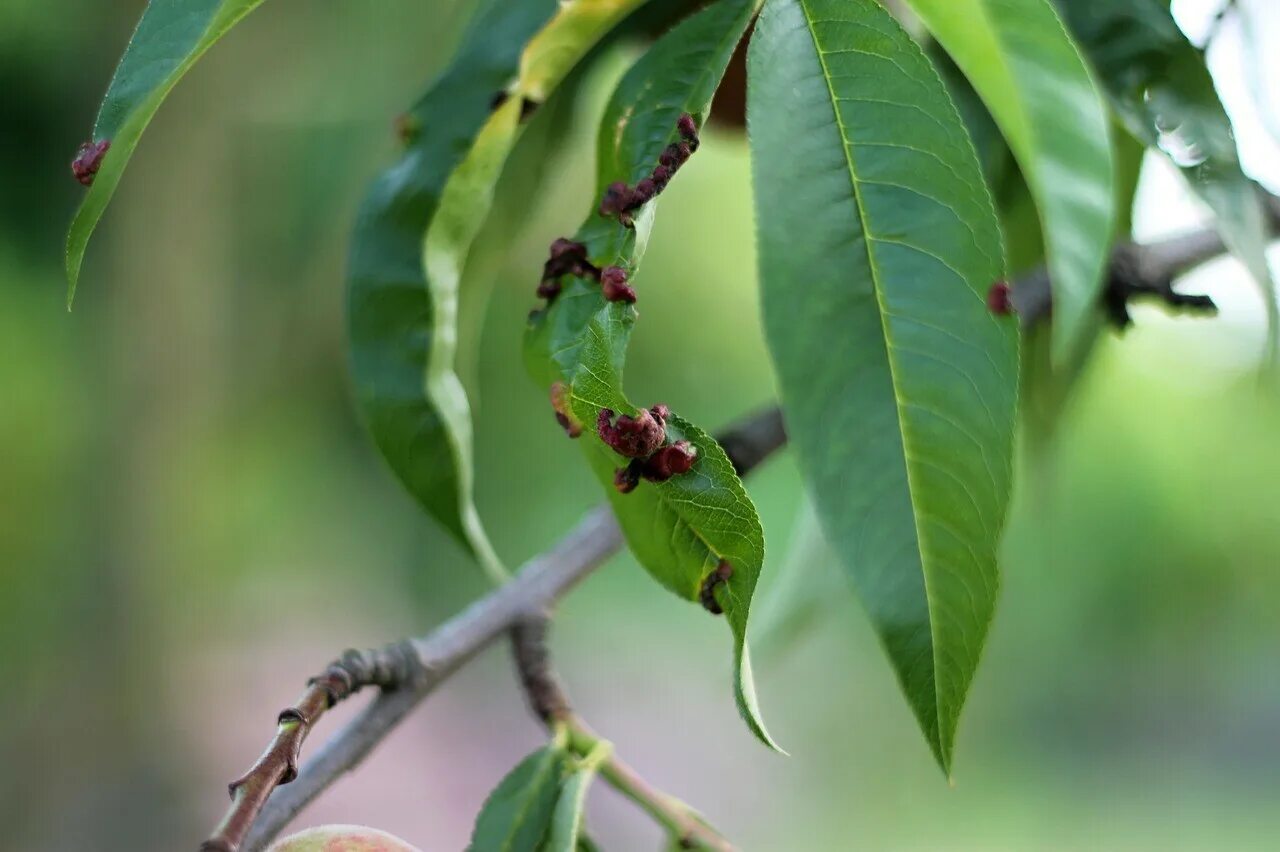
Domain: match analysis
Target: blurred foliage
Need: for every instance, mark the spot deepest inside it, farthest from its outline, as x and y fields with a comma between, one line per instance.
x=191, y=518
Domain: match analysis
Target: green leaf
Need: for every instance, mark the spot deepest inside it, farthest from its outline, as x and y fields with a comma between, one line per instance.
x=416, y=228
x=518, y=813
x=877, y=245
x=566, y=823
x=1020, y=59
x=1162, y=90
x=680, y=529
x=171, y=36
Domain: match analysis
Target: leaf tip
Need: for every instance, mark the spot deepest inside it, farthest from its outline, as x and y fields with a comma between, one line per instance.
x=749, y=705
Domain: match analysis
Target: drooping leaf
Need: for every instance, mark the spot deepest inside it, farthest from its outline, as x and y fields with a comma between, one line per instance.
x=1020, y=59
x=1161, y=88
x=681, y=529
x=877, y=245
x=170, y=37
x=518, y=814
x=414, y=232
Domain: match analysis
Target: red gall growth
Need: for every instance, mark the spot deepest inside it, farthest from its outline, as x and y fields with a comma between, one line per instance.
x=625, y=479
x=407, y=128
x=714, y=580
x=616, y=200
x=620, y=200
x=666, y=462
x=565, y=257
x=88, y=160
x=613, y=283
x=998, y=301
x=669, y=461
x=633, y=437
x=688, y=129
x=560, y=404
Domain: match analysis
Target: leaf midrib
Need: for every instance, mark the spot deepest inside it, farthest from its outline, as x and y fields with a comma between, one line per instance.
x=868, y=239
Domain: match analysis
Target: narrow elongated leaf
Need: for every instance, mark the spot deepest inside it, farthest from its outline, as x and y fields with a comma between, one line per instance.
x=1162, y=90
x=171, y=36
x=566, y=834
x=414, y=232
x=1020, y=59
x=518, y=813
x=877, y=244
x=680, y=529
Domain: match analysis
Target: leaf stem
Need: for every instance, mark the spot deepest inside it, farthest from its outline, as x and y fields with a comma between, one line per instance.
x=548, y=701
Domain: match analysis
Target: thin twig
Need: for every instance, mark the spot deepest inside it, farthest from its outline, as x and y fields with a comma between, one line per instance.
x=550, y=703
x=386, y=668
x=537, y=586
x=545, y=578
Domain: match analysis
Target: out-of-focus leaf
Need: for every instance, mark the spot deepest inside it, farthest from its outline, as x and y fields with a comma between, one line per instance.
x=1020, y=59
x=414, y=232
x=806, y=587
x=170, y=37
x=877, y=245
x=518, y=814
x=1162, y=90
x=1047, y=389
x=682, y=528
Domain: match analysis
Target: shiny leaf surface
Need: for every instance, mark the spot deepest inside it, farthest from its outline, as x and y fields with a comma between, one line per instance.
x=877, y=245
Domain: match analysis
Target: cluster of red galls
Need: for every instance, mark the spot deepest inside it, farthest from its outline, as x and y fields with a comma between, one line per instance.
x=642, y=438
x=621, y=200
x=567, y=257
x=570, y=258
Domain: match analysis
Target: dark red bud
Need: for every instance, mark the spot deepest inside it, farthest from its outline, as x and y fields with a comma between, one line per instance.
x=661, y=412
x=670, y=157
x=625, y=479
x=88, y=160
x=549, y=288
x=633, y=437
x=998, y=301
x=670, y=461
x=685, y=151
x=560, y=404
x=613, y=284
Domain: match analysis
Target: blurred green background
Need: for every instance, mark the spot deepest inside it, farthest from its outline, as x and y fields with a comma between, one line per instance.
x=191, y=520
